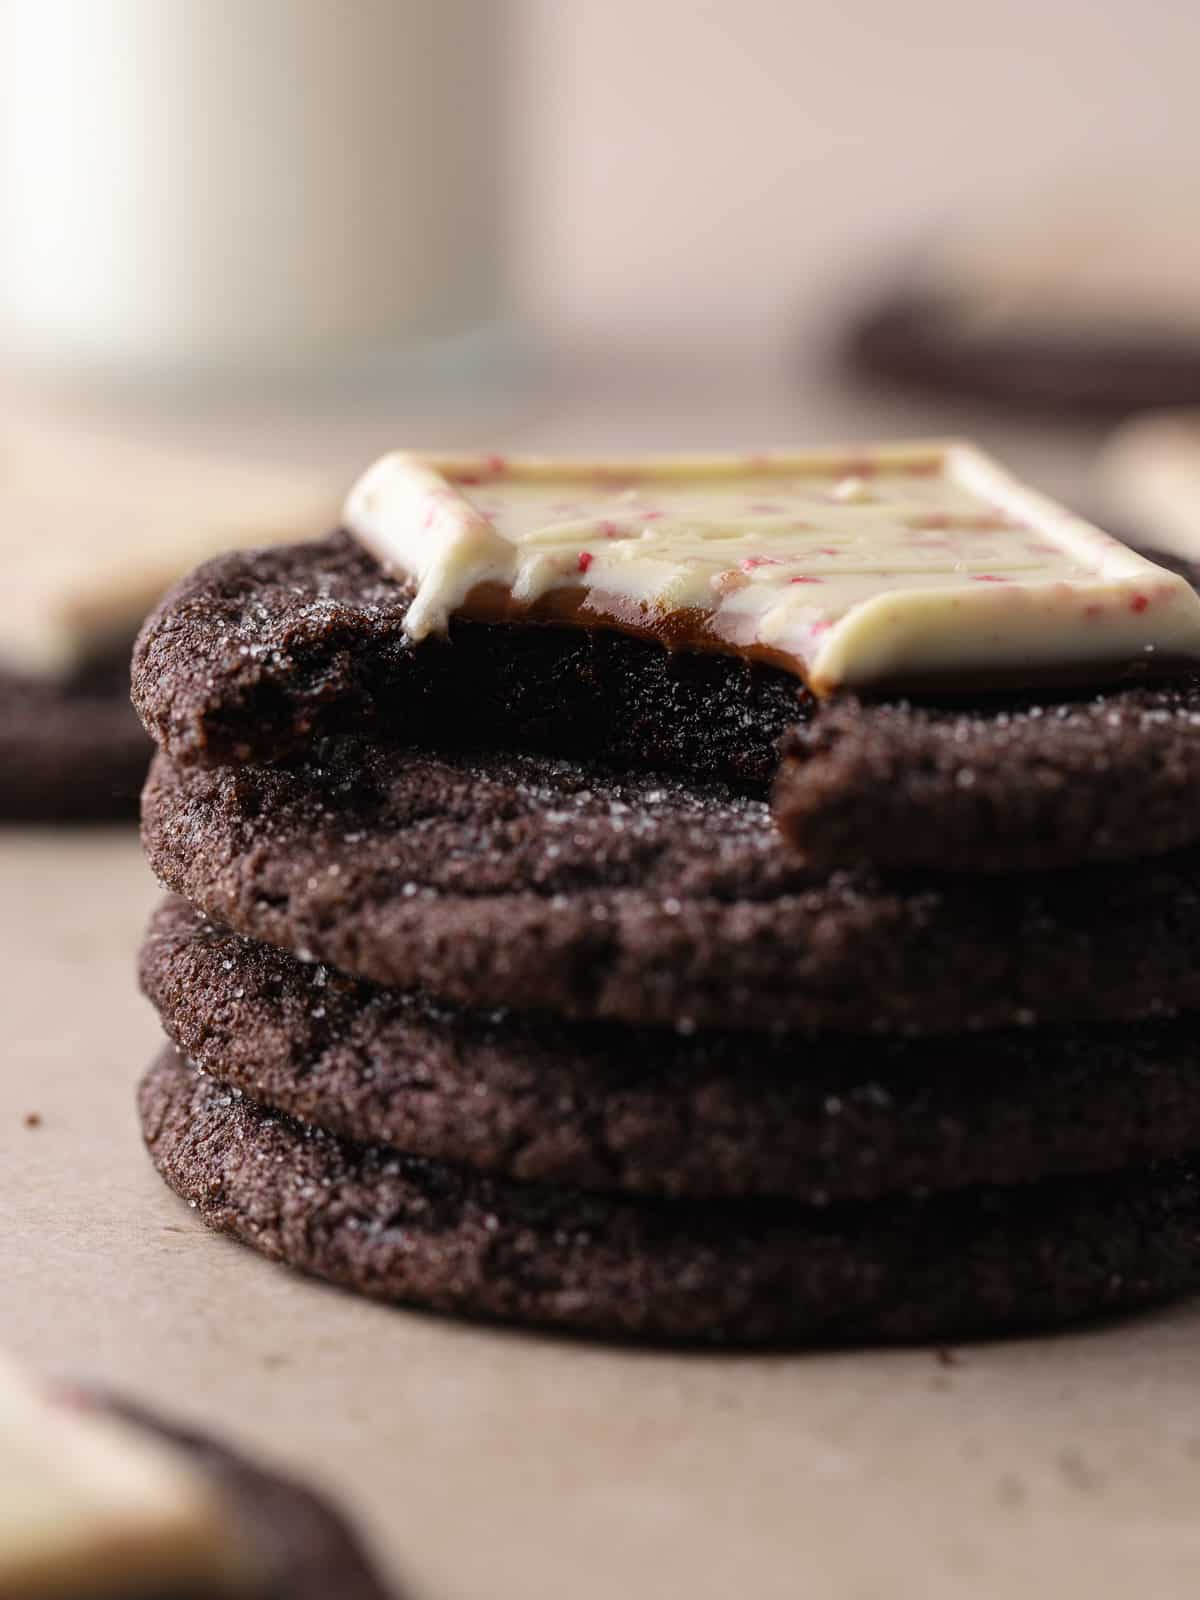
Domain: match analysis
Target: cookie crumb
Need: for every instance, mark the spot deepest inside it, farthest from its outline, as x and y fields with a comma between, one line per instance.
x=33, y=1119
x=1010, y=1491
x=1079, y=1473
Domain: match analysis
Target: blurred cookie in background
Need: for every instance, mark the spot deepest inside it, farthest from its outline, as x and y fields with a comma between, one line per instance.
x=1084, y=301
x=93, y=528
x=1148, y=485
x=101, y=1499
x=71, y=749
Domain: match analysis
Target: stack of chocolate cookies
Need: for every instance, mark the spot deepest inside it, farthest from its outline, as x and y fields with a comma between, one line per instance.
x=518, y=966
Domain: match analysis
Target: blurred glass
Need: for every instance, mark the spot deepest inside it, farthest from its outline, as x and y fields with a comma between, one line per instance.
x=260, y=188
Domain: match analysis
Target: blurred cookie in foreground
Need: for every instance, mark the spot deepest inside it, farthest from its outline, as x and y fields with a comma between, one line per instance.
x=93, y=528
x=100, y=1500
x=1148, y=481
x=1080, y=302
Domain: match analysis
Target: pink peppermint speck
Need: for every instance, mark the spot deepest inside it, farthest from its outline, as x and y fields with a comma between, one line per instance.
x=585, y=560
x=931, y=522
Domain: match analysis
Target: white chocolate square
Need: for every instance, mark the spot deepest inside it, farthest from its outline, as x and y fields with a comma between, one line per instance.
x=891, y=567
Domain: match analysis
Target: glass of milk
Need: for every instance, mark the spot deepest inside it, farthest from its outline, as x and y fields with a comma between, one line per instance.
x=269, y=188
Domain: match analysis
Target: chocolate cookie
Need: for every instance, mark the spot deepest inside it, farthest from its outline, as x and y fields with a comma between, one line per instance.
x=403, y=1228
x=1110, y=778
x=547, y=885
x=930, y=340
x=305, y=1544
x=255, y=657
x=650, y=1112
x=73, y=751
